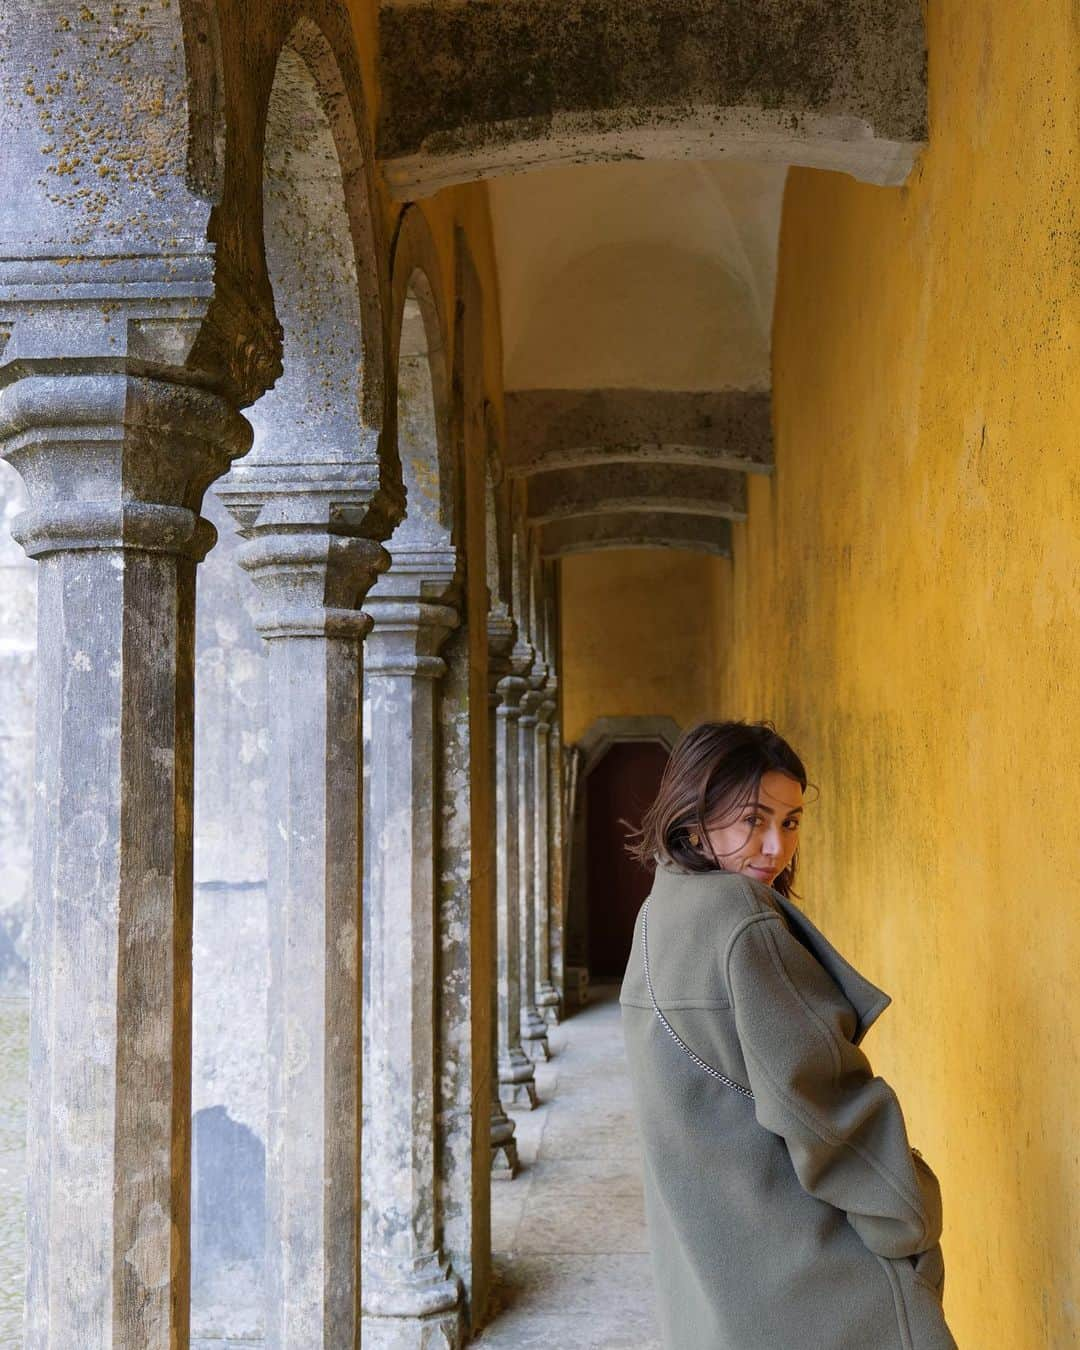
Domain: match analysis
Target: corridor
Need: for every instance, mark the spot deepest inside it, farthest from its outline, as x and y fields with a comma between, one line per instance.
x=568, y=1233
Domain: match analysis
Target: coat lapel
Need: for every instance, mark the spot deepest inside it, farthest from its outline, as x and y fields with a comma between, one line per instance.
x=866, y=998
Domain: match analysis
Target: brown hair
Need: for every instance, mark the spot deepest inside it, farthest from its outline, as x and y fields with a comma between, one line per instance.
x=715, y=767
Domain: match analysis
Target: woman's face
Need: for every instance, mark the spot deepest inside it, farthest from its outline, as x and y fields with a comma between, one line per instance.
x=761, y=838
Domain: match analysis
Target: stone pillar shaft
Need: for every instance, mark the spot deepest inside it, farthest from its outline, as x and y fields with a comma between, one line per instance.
x=547, y=999
x=111, y=950
x=313, y=1114
x=558, y=835
x=533, y=1029
x=504, y=1154
x=410, y=1297
x=517, y=1078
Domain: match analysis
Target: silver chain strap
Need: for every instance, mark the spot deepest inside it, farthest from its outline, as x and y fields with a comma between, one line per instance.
x=707, y=1068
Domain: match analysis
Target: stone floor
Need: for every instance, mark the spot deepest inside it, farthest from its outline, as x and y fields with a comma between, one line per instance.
x=571, y=1261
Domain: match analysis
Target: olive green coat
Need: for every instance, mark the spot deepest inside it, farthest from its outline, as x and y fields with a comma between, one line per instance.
x=800, y=1219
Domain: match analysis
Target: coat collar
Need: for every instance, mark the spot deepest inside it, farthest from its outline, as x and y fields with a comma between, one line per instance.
x=866, y=998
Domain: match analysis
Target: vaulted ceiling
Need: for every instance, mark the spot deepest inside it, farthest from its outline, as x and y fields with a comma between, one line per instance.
x=636, y=158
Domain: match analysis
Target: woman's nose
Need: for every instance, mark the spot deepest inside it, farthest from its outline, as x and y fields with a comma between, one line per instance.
x=770, y=843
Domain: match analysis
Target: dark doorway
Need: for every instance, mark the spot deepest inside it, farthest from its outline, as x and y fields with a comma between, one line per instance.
x=620, y=788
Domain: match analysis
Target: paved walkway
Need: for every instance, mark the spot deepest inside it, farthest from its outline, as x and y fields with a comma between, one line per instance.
x=568, y=1232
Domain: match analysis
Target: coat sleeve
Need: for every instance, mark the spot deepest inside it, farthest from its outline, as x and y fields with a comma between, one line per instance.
x=814, y=1087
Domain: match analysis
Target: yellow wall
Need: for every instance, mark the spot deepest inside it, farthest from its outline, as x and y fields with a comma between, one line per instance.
x=637, y=639
x=903, y=602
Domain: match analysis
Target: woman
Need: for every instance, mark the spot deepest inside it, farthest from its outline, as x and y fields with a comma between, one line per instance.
x=786, y=1209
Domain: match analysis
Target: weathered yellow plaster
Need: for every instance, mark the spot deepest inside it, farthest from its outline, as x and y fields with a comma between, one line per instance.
x=903, y=603
x=637, y=638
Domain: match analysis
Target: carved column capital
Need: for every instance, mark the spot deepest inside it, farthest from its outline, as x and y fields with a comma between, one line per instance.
x=115, y=460
x=501, y=632
x=530, y=706
x=515, y=685
x=536, y=677
x=311, y=565
x=413, y=608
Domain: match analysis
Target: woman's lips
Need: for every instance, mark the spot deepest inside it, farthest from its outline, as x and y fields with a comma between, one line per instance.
x=761, y=871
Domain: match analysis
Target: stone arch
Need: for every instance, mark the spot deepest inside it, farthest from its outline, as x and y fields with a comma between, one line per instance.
x=637, y=529
x=422, y=414
x=605, y=732
x=515, y=86
x=309, y=77
x=320, y=258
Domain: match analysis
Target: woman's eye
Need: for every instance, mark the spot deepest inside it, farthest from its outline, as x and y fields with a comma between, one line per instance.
x=753, y=820
x=791, y=824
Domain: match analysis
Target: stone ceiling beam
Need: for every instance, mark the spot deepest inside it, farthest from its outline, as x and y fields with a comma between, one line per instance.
x=608, y=489
x=636, y=529
x=550, y=429
x=512, y=85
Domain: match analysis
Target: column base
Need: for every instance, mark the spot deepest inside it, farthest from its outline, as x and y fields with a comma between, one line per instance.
x=520, y=1096
x=517, y=1082
x=504, y=1154
x=534, y=1035
x=410, y=1304
x=547, y=1003
x=504, y=1161
x=437, y=1331
x=536, y=1047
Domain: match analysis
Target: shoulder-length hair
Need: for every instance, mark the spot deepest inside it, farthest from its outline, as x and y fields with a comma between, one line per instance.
x=714, y=771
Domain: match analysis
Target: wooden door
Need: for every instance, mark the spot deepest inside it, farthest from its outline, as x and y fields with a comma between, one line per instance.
x=620, y=788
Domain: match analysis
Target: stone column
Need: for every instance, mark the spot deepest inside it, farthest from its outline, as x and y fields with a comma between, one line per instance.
x=18, y=578
x=128, y=343
x=411, y=1299
x=533, y=1028
x=517, y=1078
x=547, y=998
x=310, y=580
x=463, y=985
x=504, y=1154
x=557, y=854
x=115, y=465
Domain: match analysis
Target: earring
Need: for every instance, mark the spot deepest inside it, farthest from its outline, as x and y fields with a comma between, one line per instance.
x=694, y=838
